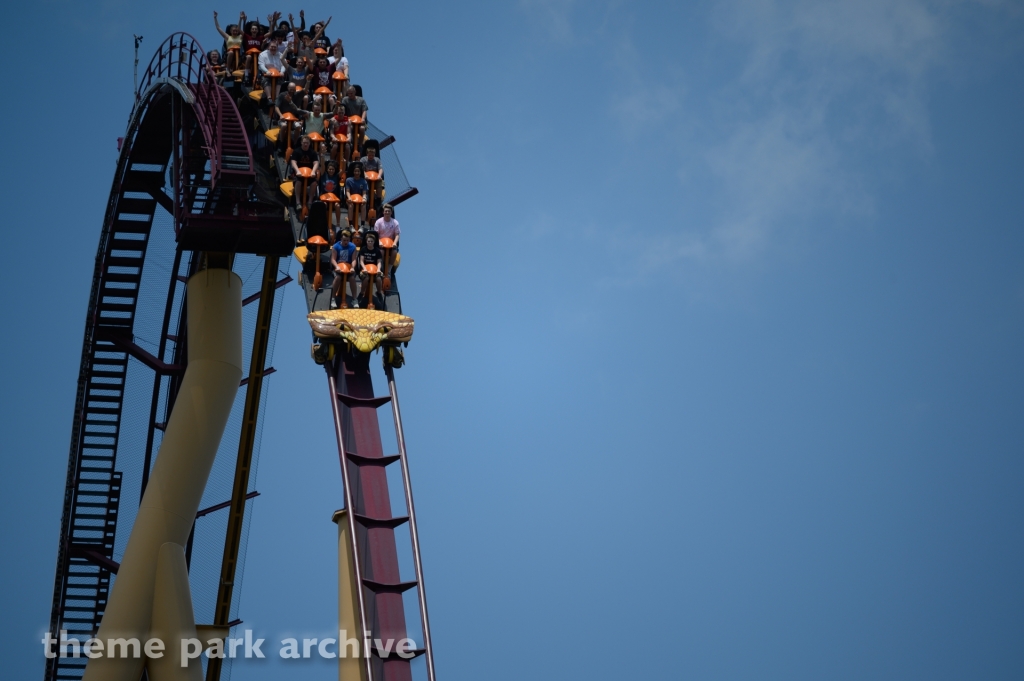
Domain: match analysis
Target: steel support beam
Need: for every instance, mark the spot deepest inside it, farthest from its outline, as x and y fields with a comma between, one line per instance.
x=246, y=442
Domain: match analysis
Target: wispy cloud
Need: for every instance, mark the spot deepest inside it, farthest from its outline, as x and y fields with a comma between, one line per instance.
x=552, y=16
x=822, y=85
x=770, y=118
x=818, y=92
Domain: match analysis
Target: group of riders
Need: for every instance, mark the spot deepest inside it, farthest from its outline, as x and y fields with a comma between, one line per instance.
x=320, y=118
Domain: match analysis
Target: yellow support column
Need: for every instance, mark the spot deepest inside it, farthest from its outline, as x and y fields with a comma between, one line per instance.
x=151, y=592
x=350, y=668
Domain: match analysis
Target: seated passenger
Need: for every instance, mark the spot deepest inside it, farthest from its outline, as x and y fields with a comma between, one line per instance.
x=370, y=254
x=286, y=103
x=387, y=226
x=320, y=38
x=372, y=162
x=271, y=59
x=298, y=73
x=252, y=38
x=356, y=185
x=322, y=71
x=330, y=180
x=353, y=104
x=339, y=121
x=300, y=46
x=232, y=38
x=304, y=157
x=219, y=72
x=315, y=120
x=344, y=251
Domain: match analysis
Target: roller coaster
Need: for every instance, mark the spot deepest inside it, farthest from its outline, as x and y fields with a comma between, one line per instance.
x=193, y=257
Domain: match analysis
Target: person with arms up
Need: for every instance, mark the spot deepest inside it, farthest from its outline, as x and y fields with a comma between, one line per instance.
x=232, y=39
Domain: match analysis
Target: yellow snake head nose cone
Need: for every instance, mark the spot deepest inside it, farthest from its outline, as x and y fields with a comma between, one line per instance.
x=364, y=329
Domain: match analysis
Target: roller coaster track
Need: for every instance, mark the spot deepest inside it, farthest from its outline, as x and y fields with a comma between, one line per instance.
x=189, y=183
x=383, y=610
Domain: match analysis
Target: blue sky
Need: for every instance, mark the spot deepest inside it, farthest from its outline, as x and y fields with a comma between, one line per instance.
x=717, y=369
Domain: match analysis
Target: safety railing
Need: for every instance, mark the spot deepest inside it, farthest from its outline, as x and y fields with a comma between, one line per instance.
x=182, y=58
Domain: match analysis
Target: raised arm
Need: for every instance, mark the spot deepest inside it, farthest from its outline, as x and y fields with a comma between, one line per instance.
x=339, y=52
x=302, y=18
x=295, y=34
x=320, y=31
x=217, y=24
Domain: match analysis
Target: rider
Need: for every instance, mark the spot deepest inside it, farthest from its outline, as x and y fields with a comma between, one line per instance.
x=356, y=185
x=271, y=59
x=344, y=251
x=370, y=254
x=232, y=38
x=387, y=226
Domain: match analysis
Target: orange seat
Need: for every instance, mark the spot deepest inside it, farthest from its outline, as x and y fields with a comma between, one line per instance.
x=273, y=74
x=291, y=118
x=320, y=52
x=356, y=198
x=305, y=173
x=344, y=268
x=371, y=270
x=319, y=242
x=237, y=49
x=371, y=175
x=254, y=52
x=355, y=120
x=331, y=200
x=386, y=242
x=342, y=140
x=315, y=137
x=339, y=79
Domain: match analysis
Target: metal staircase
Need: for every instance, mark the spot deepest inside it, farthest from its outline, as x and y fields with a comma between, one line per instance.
x=92, y=499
